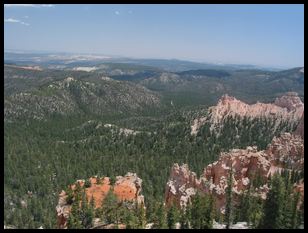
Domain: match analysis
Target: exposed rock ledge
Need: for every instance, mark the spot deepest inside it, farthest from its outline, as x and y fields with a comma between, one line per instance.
x=300, y=128
x=287, y=107
x=285, y=152
x=125, y=188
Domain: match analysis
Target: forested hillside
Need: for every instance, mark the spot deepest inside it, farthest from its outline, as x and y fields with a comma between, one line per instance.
x=61, y=126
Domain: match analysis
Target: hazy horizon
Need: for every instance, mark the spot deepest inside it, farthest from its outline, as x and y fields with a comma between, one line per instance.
x=261, y=35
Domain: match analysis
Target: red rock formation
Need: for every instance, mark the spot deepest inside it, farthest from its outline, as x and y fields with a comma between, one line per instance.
x=300, y=128
x=125, y=188
x=181, y=186
x=246, y=165
x=285, y=152
x=288, y=107
x=63, y=210
x=290, y=101
x=300, y=188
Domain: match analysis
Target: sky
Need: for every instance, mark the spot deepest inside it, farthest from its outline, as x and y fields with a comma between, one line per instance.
x=266, y=35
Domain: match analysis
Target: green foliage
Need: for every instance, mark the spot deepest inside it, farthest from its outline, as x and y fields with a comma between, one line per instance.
x=141, y=215
x=87, y=183
x=41, y=146
x=201, y=212
x=112, y=180
x=172, y=216
x=274, y=204
x=44, y=156
x=74, y=221
x=131, y=221
x=250, y=209
x=257, y=180
x=160, y=221
x=82, y=213
x=228, y=211
x=110, y=208
x=256, y=214
x=209, y=73
x=185, y=218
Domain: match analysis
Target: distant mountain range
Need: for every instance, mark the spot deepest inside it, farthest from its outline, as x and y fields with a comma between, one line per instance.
x=70, y=59
x=36, y=92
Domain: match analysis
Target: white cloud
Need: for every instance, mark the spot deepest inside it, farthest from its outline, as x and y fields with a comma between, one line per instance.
x=29, y=5
x=26, y=16
x=26, y=24
x=117, y=12
x=11, y=20
x=47, y=5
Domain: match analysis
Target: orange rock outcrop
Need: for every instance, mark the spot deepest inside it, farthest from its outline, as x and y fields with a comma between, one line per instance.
x=126, y=188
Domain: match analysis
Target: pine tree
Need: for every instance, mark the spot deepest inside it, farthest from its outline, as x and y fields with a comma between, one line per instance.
x=208, y=203
x=228, y=211
x=92, y=203
x=172, y=216
x=131, y=221
x=184, y=218
x=256, y=213
x=287, y=211
x=295, y=212
x=74, y=217
x=160, y=221
x=110, y=207
x=87, y=183
x=86, y=213
x=112, y=180
x=196, y=212
x=141, y=216
x=202, y=212
x=188, y=216
x=273, y=207
x=246, y=206
x=301, y=214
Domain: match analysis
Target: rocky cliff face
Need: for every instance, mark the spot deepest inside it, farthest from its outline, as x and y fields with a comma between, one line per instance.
x=290, y=101
x=300, y=128
x=126, y=188
x=285, y=152
x=181, y=186
x=246, y=165
x=288, y=107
